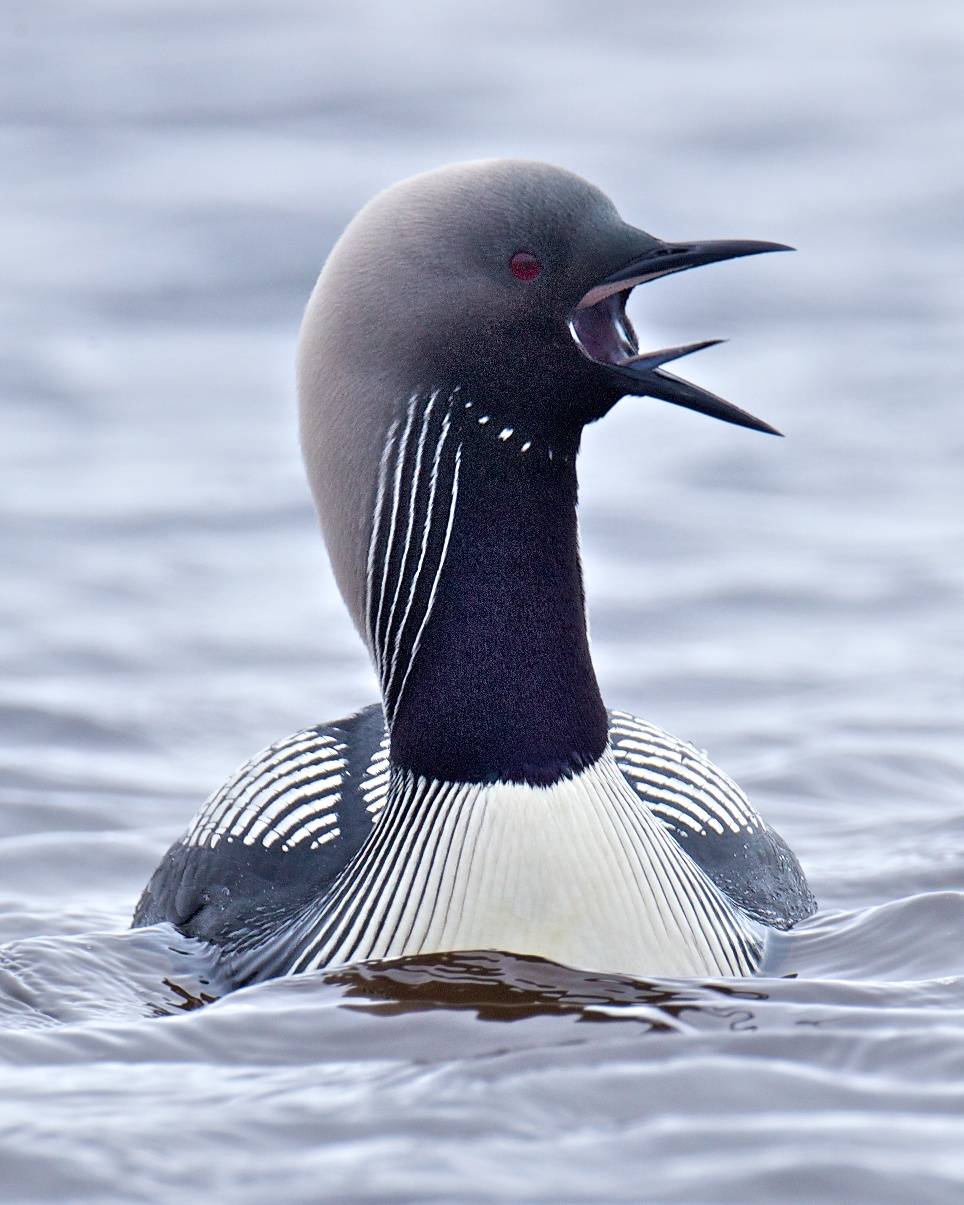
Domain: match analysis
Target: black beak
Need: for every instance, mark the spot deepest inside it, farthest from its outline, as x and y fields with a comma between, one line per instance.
x=601, y=330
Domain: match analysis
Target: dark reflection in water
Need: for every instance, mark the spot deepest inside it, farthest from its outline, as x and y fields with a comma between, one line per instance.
x=188, y=999
x=503, y=987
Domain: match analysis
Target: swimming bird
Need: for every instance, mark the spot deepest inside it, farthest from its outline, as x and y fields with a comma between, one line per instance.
x=467, y=326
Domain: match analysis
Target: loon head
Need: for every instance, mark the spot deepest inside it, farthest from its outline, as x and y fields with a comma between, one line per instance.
x=504, y=279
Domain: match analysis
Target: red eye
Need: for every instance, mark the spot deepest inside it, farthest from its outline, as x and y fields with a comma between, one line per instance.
x=524, y=266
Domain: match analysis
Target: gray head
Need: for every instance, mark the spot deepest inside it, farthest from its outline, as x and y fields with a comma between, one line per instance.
x=506, y=278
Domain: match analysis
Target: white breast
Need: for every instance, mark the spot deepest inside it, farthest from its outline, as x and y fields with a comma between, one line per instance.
x=579, y=872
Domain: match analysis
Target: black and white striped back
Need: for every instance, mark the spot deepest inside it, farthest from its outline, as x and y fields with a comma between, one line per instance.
x=285, y=867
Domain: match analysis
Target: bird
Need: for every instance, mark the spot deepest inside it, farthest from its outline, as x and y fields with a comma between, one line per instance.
x=466, y=328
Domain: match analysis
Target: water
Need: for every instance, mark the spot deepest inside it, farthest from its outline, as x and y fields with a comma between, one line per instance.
x=173, y=176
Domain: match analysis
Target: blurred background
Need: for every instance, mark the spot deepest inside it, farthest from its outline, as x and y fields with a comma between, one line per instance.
x=174, y=175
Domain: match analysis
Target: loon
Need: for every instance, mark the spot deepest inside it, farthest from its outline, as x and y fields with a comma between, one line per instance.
x=467, y=326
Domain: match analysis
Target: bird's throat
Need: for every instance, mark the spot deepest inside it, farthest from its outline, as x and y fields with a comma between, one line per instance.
x=476, y=610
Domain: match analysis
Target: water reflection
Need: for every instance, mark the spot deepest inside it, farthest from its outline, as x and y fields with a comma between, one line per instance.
x=506, y=987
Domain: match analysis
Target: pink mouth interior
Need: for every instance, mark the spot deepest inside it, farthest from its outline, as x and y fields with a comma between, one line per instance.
x=603, y=331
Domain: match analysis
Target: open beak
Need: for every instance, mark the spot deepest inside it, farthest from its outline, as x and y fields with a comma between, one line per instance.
x=603, y=333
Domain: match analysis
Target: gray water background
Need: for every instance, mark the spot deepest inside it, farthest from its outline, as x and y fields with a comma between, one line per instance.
x=173, y=177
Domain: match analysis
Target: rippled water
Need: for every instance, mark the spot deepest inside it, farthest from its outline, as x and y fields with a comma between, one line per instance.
x=174, y=175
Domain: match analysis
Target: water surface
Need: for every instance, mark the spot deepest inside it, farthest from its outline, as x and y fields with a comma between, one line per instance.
x=174, y=175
